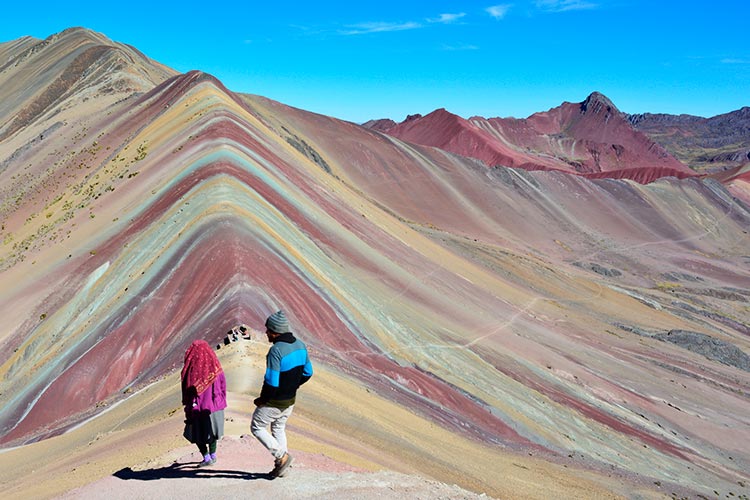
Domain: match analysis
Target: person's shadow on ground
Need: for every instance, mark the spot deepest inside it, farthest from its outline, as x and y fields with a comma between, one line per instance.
x=176, y=471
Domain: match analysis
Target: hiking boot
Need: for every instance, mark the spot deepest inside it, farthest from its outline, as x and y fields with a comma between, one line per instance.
x=281, y=466
x=207, y=460
x=276, y=464
x=284, y=469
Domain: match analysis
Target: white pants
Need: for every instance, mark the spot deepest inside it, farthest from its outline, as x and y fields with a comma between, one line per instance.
x=274, y=441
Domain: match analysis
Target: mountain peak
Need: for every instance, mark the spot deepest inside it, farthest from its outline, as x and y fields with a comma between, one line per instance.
x=443, y=113
x=80, y=33
x=76, y=29
x=597, y=101
x=380, y=124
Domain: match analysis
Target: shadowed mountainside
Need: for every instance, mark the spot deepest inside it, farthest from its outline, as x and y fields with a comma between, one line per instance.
x=718, y=143
x=525, y=312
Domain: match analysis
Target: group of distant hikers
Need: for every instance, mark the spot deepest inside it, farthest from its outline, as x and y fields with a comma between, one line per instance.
x=204, y=394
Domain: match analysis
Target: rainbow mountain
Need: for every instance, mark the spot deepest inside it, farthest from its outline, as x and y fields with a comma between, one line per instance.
x=598, y=325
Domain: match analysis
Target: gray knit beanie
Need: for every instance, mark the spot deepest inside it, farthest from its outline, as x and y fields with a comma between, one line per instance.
x=277, y=322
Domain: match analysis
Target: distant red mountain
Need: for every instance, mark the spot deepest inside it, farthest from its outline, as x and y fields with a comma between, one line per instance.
x=592, y=138
x=382, y=125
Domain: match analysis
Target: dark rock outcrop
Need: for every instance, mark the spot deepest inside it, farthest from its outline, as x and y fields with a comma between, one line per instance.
x=710, y=347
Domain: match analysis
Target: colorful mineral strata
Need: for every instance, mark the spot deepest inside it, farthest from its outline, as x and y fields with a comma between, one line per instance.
x=523, y=310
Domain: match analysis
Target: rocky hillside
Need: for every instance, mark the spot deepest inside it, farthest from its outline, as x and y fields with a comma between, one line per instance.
x=706, y=144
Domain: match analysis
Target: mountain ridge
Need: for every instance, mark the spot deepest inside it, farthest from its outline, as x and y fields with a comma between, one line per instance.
x=708, y=145
x=591, y=138
x=91, y=62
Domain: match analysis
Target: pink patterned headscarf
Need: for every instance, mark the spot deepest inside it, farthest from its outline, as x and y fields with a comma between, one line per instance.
x=200, y=370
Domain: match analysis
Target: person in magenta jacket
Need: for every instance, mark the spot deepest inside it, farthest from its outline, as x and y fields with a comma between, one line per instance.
x=204, y=395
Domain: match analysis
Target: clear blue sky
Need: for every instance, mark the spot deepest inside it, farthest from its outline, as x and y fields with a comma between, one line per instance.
x=386, y=59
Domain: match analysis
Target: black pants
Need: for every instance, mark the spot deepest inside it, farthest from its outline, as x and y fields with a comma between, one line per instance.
x=206, y=448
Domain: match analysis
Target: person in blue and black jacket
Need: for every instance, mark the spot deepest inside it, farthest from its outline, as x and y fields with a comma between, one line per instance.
x=287, y=367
